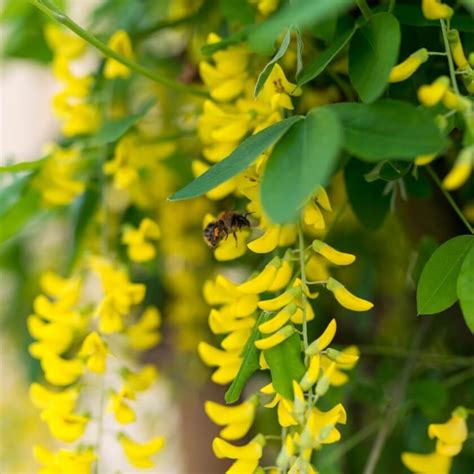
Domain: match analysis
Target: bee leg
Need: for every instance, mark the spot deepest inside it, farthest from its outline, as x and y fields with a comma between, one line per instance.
x=235, y=237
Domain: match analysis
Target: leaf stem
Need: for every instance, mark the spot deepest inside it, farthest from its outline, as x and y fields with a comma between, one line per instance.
x=364, y=8
x=449, y=199
x=452, y=69
x=391, y=6
x=50, y=9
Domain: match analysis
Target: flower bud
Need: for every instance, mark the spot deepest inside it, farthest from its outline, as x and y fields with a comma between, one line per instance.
x=324, y=340
x=431, y=94
x=279, y=320
x=311, y=375
x=331, y=254
x=345, y=298
x=263, y=280
x=275, y=339
x=281, y=300
x=457, y=49
x=408, y=67
x=435, y=10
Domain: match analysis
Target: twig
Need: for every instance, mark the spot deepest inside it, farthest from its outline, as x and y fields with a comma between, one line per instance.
x=50, y=9
x=364, y=8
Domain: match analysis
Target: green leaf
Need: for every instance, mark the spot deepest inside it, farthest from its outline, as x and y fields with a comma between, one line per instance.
x=250, y=363
x=325, y=30
x=437, y=286
x=14, y=218
x=268, y=68
x=301, y=161
x=465, y=288
x=83, y=211
x=239, y=160
x=389, y=129
x=372, y=54
x=367, y=200
x=22, y=166
x=286, y=364
x=299, y=12
x=321, y=62
x=112, y=130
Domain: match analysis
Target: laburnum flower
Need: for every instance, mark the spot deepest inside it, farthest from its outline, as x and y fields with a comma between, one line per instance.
x=227, y=362
x=138, y=241
x=227, y=76
x=284, y=406
x=451, y=435
x=63, y=43
x=431, y=463
x=121, y=44
x=66, y=290
x=436, y=10
x=246, y=456
x=43, y=398
x=461, y=170
x=409, y=66
x=344, y=360
x=277, y=89
x=64, y=462
x=334, y=256
x=119, y=295
x=140, y=454
x=345, y=298
x=59, y=371
x=123, y=413
x=67, y=427
x=265, y=7
x=236, y=419
x=94, y=350
x=140, y=380
x=144, y=334
x=56, y=179
x=312, y=214
x=432, y=94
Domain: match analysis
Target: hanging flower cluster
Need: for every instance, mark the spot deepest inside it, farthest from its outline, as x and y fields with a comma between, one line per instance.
x=449, y=436
x=74, y=342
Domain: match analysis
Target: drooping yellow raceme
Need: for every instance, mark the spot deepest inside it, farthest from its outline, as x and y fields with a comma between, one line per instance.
x=139, y=241
x=246, y=456
x=435, y=10
x=140, y=454
x=236, y=419
x=409, y=66
x=120, y=43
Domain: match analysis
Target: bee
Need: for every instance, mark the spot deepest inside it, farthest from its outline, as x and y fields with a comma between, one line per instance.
x=227, y=222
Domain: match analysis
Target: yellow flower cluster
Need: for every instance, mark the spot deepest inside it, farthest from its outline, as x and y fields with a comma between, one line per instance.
x=71, y=105
x=68, y=346
x=449, y=436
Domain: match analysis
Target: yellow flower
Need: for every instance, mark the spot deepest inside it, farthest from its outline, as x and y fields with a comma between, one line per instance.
x=264, y=280
x=453, y=101
x=63, y=43
x=432, y=463
x=324, y=340
x=450, y=435
x=139, y=248
x=67, y=427
x=345, y=361
x=233, y=247
x=139, y=454
x=121, y=44
x=122, y=166
x=435, y=10
x=59, y=371
x=321, y=427
x=117, y=405
x=457, y=49
x=277, y=89
x=284, y=406
x=430, y=95
x=461, y=170
x=66, y=290
x=423, y=160
x=94, y=350
x=236, y=419
x=145, y=333
x=266, y=7
x=64, y=462
x=345, y=298
x=407, y=68
x=141, y=380
x=331, y=254
x=275, y=339
x=228, y=362
x=277, y=322
x=278, y=302
x=44, y=398
x=246, y=456
x=268, y=241
x=311, y=375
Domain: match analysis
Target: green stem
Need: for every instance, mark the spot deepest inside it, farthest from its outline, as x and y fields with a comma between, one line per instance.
x=303, y=280
x=449, y=199
x=391, y=6
x=452, y=69
x=56, y=14
x=364, y=8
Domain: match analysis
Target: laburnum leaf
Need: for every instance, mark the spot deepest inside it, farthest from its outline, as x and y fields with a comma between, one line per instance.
x=301, y=161
x=321, y=62
x=388, y=129
x=239, y=160
x=373, y=52
x=250, y=363
x=23, y=166
x=437, y=288
x=286, y=364
x=465, y=287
